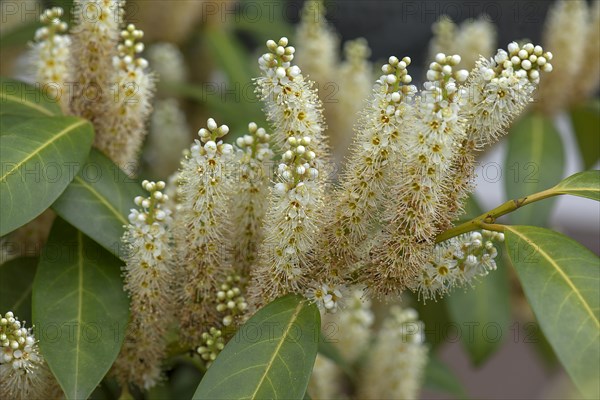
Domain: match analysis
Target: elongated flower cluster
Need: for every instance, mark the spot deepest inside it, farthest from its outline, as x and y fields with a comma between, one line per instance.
x=202, y=228
x=346, y=97
x=588, y=76
x=124, y=133
x=95, y=37
x=473, y=39
x=51, y=52
x=317, y=44
x=394, y=368
x=376, y=147
x=249, y=205
x=351, y=326
x=169, y=135
x=498, y=90
x=95, y=73
x=294, y=217
x=458, y=262
x=290, y=102
x=230, y=305
x=167, y=61
x=565, y=33
x=149, y=275
x=24, y=374
x=418, y=190
x=325, y=381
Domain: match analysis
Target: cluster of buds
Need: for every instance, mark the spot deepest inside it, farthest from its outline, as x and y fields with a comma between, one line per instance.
x=396, y=78
x=51, y=18
x=256, y=143
x=529, y=58
x=211, y=142
x=277, y=62
x=230, y=300
x=150, y=206
x=212, y=344
x=442, y=81
x=297, y=166
x=17, y=344
x=24, y=373
x=130, y=46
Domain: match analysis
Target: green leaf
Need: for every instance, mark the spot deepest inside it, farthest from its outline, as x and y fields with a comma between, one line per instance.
x=98, y=201
x=20, y=35
x=586, y=120
x=79, y=308
x=534, y=162
x=7, y=121
x=16, y=281
x=560, y=278
x=270, y=357
x=583, y=184
x=40, y=158
x=229, y=55
x=19, y=98
x=482, y=313
x=440, y=378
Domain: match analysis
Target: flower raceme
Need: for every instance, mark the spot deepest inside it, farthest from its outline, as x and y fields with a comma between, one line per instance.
x=295, y=214
x=149, y=275
x=24, y=373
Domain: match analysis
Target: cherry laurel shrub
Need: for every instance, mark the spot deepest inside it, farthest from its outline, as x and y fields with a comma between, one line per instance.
x=258, y=231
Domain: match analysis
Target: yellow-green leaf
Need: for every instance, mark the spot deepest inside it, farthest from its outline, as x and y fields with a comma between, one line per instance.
x=583, y=184
x=16, y=281
x=79, y=309
x=534, y=162
x=98, y=201
x=19, y=98
x=39, y=158
x=561, y=281
x=586, y=123
x=270, y=357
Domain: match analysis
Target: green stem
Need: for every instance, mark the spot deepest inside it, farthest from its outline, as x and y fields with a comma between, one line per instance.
x=487, y=220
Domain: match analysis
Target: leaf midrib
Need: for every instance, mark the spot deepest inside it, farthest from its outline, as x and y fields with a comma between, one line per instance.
x=284, y=335
x=586, y=306
x=42, y=147
x=27, y=103
x=79, y=308
x=100, y=198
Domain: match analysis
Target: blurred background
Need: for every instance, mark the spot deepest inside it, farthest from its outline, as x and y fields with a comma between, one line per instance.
x=205, y=52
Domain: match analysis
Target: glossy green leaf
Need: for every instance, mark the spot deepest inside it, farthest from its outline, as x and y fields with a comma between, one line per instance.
x=482, y=313
x=39, y=158
x=20, y=35
x=19, y=98
x=16, y=281
x=98, y=201
x=79, y=308
x=583, y=184
x=270, y=357
x=560, y=278
x=586, y=123
x=534, y=162
x=440, y=378
x=7, y=121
